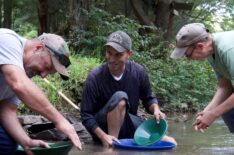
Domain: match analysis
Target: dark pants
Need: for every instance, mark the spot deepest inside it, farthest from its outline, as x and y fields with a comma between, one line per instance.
x=131, y=122
x=7, y=145
x=228, y=118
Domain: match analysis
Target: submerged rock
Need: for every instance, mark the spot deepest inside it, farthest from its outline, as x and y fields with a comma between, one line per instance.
x=40, y=128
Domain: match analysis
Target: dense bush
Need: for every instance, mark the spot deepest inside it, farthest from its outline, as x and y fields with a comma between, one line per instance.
x=100, y=25
x=179, y=85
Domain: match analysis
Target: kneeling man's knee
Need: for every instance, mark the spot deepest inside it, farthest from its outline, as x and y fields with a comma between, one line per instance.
x=120, y=95
x=122, y=104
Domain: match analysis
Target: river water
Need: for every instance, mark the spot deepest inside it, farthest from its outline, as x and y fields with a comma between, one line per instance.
x=215, y=141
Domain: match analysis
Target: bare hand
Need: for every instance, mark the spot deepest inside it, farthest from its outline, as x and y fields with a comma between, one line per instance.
x=203, y=120
x=158, y=115
x=69, y=130
x=107, y=140
x=34, y=143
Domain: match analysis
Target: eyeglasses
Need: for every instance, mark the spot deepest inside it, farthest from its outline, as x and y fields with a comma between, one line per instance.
x=60, y=57
x=188, y=54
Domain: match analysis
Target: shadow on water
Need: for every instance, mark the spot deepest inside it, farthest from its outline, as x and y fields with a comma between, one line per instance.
x=215, y=141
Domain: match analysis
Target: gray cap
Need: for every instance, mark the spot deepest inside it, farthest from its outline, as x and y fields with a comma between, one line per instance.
x=59, y=51
x=120, y=41
x=187, y=36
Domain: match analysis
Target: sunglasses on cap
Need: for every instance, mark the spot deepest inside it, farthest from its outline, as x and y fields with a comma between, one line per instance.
x=64, y=60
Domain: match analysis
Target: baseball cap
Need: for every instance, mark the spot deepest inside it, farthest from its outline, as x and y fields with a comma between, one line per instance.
x=59, y=51
x=120, y=41
x=187, y=36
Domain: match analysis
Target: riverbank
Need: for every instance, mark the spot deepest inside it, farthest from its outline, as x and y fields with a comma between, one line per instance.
x=39, y=127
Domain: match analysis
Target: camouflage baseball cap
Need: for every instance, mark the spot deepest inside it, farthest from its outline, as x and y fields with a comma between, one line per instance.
x=60, y=52
x=120, y=41
x=187, y=36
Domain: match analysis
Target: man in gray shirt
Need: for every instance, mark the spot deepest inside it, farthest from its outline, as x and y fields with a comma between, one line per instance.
x=21, y=59
x=194, y=42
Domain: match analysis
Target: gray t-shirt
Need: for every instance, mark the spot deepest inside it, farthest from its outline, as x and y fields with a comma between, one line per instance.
x=11, y=52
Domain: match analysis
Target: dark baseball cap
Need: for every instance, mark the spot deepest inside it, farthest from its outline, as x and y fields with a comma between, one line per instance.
x=120, y=41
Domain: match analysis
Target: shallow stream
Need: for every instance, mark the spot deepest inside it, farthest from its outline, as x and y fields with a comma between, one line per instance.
x=215, y=141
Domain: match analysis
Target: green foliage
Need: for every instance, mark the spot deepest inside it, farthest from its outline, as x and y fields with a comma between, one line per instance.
x=216, y=15
x=229, y=24
x=91, y=41
x=179, y=85
x=78, y=72
x=72, y=88
x=24, y=19
x=27, y=30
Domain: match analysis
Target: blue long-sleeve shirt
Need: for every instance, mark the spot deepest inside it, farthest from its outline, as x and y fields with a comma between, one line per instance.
x=100, y=86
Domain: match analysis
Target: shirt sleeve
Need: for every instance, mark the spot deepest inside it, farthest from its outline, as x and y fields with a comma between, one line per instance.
x=146, y=95
x=228, y=61
x=88, y=104
x=11, y=51
x=211, y=62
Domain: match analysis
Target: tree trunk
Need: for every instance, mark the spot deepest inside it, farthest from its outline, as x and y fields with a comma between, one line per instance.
x=7, y=20
x=162, y=13
x=140, y=13
x=168, y=32
x=78, y=16
x=127, y=8
x=42, y=15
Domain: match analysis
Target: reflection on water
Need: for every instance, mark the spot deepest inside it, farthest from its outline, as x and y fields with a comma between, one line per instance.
x=217, y=150
x=215, y=141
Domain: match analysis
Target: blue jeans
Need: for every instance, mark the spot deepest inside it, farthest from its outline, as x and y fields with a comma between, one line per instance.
x=7, y=145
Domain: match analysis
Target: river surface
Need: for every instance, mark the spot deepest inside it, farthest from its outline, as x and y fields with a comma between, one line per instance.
x=215, y=141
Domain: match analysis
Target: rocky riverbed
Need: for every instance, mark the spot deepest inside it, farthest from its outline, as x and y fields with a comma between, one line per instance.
x=39, y=127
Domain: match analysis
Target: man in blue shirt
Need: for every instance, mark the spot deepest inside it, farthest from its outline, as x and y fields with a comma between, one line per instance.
x=112, y=92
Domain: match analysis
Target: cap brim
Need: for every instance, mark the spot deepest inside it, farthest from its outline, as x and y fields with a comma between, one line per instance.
x=60, y=69
x=116, y=46
x=178, y=52
x=64, y=77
